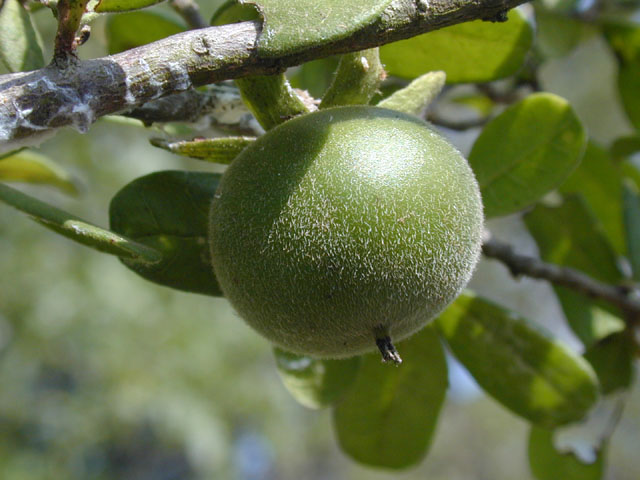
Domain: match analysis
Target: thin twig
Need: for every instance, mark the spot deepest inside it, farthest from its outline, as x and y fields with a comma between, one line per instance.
x=190, y=11
x=194, y=105
x=69, y=16
x=561, y=276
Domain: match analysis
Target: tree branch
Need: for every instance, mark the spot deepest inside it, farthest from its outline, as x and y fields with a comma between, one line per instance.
x=190, y=12
x=219, y=106
x=561, y=276
x=34, y=104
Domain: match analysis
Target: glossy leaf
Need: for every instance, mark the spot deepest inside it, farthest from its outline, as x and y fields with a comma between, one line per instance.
x=316, y=383
x=130, y=30
x=528, y=372
x=599, y=180
x=476, y=51
x=169, y=211
x=20, y=44
x=631, y=201
x=569, y=235
x=525, y=152
x=216, y=150
x=613, y=360
x=388, y=417
x=293, y=26
x=77, y=229
x=416, y=97
x=105, y=6
x=549, y=464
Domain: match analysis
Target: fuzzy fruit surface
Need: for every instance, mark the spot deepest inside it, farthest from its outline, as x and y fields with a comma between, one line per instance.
x=343, y=226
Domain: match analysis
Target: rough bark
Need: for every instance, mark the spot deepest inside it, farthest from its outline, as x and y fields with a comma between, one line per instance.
x=34, y=104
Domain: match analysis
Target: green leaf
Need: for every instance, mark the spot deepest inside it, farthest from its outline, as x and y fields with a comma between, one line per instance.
x=612, y=358
x=533, y=375
x=631, y=172
x=314, y=76
x=78, y=230
x=130, y=30
x=548, y=464
x=105, y=6
x=569, y=235
x=590, y=320
x=169, y=211
x=557, y=34
x=31, y=167
x=629, y=86
x=291, y=27
x=625, y=41
x=479, y=103
x=416, y=97
x=631, y=201
x=624, y=147
x=316, y=383
x=217, y=150
x=599, y=180
x=11, y=152
x=468, y=52
x=525, y=152
x=231, y=12
x=388, y=417
x=20, y=44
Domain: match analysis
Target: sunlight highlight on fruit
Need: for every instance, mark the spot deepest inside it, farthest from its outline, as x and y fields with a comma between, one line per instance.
x=345, y=229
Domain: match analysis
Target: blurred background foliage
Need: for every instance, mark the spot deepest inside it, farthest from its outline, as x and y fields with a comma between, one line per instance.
x=105, y=375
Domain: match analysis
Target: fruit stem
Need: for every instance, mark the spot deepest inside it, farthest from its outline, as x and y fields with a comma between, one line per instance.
x=388, y=350
x=357, y=79
x=270, y=98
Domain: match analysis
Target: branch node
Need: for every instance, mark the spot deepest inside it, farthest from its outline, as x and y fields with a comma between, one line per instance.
x=83, y=36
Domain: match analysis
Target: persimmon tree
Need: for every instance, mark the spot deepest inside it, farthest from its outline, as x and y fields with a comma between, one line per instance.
x=215, y=85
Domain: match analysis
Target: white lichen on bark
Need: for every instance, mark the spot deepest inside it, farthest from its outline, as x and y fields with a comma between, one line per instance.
x=34, y=104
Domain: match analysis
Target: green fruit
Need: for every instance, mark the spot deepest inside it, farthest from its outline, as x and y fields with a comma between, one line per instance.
x=344, y=228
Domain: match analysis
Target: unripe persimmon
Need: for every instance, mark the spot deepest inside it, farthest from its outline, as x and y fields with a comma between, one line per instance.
x=345, y=228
